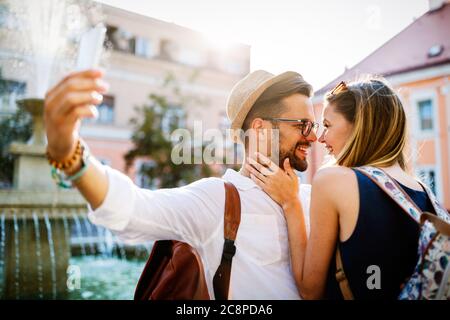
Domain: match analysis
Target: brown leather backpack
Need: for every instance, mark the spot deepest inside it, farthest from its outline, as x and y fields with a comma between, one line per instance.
x=174, y=270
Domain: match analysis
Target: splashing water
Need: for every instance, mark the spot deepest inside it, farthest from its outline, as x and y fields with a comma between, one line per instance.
x=24, y=275
x=79, y=233
x=38, y=255
x=89, y=234
x=48, y=32
x=52, y=253
x=41, y=25
x=2, y=248
x=66, y=234
x=121, y=248
x=17, y=256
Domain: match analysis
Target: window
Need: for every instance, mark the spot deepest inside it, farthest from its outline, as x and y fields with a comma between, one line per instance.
x=10, y=92
x=167, y=49
x=428, y=176
x=121, y=39
x=4, y=15
x=141, y=179
x=143, y=47
x=191, y=57
x=7, y=19
x=174, y=118
x=106, y=110
x=234, y=67
x=426, y=121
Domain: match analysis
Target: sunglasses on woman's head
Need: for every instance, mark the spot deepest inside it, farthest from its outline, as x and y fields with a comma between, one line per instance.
x=341, y=87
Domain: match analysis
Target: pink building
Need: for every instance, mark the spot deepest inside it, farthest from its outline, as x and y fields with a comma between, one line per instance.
x=417, y=64
x=144, y=51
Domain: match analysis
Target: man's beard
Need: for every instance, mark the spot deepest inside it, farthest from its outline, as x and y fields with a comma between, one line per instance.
x=295, y=162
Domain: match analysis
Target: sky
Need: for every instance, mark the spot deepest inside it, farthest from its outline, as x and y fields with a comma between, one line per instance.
x=318, y=39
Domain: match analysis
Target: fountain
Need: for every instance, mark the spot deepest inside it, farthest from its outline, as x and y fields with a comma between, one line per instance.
x=31, y=155
x=45, y=236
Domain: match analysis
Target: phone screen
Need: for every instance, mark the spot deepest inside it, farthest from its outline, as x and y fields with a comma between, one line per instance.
x=91, y=47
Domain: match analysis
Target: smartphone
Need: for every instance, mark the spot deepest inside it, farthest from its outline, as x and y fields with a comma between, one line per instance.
x=90, y=51
x=91, y=47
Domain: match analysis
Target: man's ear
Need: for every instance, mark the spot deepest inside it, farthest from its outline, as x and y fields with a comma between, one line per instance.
x=257, y=123
x=261, y=136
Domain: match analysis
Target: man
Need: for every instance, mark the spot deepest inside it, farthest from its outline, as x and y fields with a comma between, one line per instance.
x=194, y=213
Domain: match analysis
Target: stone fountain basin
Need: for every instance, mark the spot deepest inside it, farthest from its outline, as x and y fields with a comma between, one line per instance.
x=34, y=106
x=31, y=199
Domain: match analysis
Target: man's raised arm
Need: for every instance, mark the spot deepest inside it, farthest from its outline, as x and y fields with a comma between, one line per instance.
x=66, y=104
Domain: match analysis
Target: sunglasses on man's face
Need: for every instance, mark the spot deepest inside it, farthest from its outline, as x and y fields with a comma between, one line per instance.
x=305, y=125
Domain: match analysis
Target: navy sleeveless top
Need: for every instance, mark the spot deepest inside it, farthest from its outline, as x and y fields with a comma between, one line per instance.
x=384, y=236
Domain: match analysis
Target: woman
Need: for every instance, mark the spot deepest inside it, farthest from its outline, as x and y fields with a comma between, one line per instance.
x=364, y=125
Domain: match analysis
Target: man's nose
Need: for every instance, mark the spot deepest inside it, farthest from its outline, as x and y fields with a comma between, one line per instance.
x=312, y=137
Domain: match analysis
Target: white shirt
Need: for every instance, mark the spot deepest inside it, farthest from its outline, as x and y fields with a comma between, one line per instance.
x=195, y=214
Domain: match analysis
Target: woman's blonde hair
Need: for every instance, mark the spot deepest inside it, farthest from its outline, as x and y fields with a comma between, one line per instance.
x=379, y=123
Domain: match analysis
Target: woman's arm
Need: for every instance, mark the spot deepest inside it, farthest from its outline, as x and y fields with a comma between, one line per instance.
x=282, y=187
x=297, y=239
x=323, y=236
x=311, y=257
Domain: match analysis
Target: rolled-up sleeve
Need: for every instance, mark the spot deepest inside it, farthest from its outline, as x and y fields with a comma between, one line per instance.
x=191, y=213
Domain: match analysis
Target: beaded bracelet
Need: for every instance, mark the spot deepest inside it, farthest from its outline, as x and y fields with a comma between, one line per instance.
x=64, y=181
x=62, y=165
x=57, y=173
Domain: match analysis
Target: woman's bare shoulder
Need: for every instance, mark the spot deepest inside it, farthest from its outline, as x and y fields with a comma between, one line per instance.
x=334, y=180
x=338, y=185
x=332, y=174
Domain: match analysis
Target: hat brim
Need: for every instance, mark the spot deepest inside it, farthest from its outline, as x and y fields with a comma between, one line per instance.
x=238, y=121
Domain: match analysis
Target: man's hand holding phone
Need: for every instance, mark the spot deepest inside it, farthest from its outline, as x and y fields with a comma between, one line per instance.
x=71, y=100
x=66, y=104
x=76, y=96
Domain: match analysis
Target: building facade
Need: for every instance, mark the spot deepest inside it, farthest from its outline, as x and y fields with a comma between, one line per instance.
x=141, y=53
x=416, y=62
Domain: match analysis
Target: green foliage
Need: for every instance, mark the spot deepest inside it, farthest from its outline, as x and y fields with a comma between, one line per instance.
x=153, y=124
x=15, y=127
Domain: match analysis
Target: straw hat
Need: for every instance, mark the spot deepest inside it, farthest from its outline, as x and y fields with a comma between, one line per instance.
x=245, y=93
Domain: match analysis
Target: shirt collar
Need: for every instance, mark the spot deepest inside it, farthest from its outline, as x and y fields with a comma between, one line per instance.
x=241, y=182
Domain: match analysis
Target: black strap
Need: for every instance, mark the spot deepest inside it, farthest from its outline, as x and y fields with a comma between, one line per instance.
x=232, y=218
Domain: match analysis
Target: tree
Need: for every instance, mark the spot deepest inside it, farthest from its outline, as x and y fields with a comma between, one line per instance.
x=15, y=127
x=151, y=138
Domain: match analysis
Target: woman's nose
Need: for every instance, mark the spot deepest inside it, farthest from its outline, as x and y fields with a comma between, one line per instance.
x=322, y=137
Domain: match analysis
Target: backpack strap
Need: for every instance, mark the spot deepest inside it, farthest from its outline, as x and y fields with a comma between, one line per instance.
x=232, y=219
x=438, y=208
x=393, y=190
x=342, y=278
x=396, y=193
